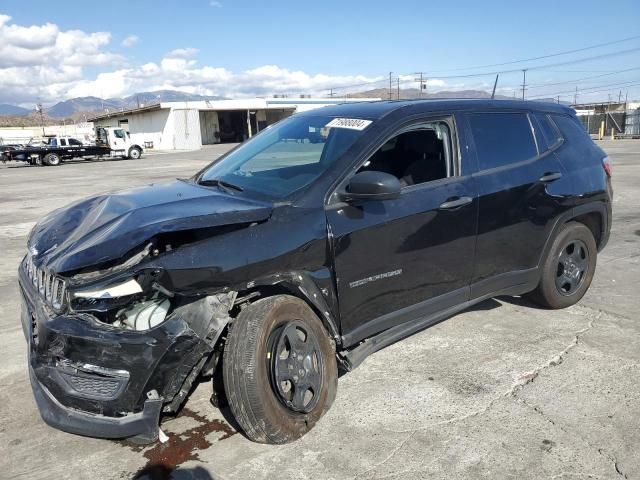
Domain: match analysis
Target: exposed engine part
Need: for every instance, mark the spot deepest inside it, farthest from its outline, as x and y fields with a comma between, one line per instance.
x=145, y=315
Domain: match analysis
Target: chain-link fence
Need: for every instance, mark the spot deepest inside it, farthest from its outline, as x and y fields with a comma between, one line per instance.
x=632, y=123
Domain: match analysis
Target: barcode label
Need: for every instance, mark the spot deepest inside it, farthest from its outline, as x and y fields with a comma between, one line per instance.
x=351, y=123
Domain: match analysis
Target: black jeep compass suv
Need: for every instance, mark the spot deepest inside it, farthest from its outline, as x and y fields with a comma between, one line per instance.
x=324, y=238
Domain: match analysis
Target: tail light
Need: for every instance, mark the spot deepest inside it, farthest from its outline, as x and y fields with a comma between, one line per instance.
x=606, y=164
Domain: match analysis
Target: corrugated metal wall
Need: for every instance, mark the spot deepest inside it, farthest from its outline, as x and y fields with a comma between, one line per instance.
x=186, y=129
x=632, y=122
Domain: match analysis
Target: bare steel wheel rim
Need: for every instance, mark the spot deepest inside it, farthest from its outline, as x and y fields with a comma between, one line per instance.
x=135, y=153
x=573, y=263
x=296, y=366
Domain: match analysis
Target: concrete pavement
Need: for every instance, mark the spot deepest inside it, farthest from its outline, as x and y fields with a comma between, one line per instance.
x=503, y=390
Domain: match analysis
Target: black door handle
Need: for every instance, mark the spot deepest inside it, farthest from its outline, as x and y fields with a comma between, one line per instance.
x=550, y=177
x=456, y=203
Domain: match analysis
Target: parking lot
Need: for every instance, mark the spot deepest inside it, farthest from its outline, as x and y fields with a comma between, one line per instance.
x=504, y=390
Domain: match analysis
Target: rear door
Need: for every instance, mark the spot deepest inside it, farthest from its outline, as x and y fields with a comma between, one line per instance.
x=401, y=259
x=520, y=186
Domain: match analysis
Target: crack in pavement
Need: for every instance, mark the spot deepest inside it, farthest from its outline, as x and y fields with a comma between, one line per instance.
x=524, y=380
x=601, y=451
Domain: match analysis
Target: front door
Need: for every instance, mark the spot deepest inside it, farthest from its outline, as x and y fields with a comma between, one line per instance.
x=401, y=259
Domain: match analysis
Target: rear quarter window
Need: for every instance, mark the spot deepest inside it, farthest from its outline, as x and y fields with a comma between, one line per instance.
x=502, y=138
x=548, y=134
x=580, y=149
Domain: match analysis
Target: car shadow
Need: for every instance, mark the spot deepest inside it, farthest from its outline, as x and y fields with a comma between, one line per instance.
x=521, y=302
x=70, y=162
x=162, y=472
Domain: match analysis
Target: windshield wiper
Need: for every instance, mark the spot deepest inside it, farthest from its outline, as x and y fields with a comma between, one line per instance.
x=216, y=182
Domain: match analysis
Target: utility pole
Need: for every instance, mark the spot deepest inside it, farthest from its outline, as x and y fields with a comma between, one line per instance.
x=620, y=96
x=390, y=96
x=331, y=92
x=398, y=85
x=524, y=81
x=39, y=107
x=558, y=98
x=423, y=85
x=575, y=97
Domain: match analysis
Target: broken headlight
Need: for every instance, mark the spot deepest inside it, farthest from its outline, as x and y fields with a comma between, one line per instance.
x=130, y=287
x=137, y=303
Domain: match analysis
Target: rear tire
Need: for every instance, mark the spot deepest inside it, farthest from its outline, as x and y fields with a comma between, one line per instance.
x=52, y=159
x=568, y=269
x=253, y=369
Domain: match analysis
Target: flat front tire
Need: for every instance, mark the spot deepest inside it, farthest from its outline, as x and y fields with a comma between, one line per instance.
x=568, y=269
x=279, y=369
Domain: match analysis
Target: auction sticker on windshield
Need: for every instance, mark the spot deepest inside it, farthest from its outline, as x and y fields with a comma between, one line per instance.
x=351, y=123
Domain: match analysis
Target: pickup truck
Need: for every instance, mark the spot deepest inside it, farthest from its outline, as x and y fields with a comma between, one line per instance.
x=111, y=142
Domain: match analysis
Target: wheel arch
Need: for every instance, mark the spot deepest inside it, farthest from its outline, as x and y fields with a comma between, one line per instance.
x=301, y=285
x=594, y=216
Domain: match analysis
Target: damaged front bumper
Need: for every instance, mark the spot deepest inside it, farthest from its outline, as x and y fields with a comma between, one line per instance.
x=93, y=379
x=142, y=425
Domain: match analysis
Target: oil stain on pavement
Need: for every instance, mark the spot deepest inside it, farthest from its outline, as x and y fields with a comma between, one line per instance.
x=163, y=458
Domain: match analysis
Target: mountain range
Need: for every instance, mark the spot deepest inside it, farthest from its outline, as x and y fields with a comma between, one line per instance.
x=69, y=108
x=413, y=93
x=79, y=108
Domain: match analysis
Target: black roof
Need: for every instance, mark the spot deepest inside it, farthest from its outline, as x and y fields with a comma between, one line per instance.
x=377, y=110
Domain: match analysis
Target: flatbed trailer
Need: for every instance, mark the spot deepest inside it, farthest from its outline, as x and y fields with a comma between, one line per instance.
x=112, y=142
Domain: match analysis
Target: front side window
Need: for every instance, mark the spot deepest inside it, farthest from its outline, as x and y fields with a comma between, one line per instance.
x=73, y=141
x=419, y=154
x=502, y=138
x=287, y=156
x=119, y=133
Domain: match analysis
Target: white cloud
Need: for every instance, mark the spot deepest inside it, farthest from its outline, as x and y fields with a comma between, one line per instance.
x=182, y=53
x=43, y=63
x=215, y=3
x=130, y=41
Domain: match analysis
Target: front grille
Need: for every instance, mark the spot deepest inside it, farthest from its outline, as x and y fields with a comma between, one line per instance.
x=50, y=286
x=93, y=385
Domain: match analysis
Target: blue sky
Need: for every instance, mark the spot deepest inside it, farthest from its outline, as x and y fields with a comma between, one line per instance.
x=241, y=48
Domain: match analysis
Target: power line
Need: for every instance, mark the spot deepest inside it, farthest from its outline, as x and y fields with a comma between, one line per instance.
x=566, y=52
x=539, y=67
x=590, y=89
x=537, y=85
x=542, y=67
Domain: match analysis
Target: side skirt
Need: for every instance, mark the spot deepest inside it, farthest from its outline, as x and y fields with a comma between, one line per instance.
x=512, y=283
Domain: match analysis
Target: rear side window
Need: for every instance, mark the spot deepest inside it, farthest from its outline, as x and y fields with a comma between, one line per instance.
x=572, y=129
x=502, y=138
x=547, y=130
x=580, y=150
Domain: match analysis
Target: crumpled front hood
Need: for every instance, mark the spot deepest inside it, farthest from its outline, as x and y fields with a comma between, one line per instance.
x=105, y=227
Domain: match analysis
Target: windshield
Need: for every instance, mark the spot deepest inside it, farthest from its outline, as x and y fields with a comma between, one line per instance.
x=284, y=157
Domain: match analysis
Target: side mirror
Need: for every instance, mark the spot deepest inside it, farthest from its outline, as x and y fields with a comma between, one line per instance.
x=372, y=185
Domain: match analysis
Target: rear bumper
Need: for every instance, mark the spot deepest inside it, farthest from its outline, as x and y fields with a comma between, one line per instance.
x=143, y=425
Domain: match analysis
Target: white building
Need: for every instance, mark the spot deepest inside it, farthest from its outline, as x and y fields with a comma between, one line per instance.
x=189, y=125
